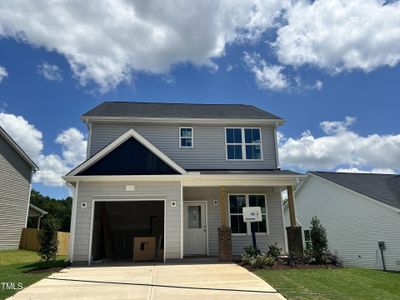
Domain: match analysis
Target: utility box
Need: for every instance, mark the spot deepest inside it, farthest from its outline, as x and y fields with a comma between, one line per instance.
x=144, y=248
x=381, y=245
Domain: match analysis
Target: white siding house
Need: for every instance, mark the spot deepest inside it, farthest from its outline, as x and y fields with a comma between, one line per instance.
x=355, y=218
x=178, y=173
x=16, y=170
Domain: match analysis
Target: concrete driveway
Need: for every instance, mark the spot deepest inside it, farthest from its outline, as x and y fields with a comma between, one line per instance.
x=163, y=281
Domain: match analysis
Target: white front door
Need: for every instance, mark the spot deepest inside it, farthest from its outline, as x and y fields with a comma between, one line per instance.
x=195, y=228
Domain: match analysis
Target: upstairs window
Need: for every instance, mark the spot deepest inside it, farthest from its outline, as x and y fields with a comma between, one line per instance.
x=243, y=143
x=186, y=137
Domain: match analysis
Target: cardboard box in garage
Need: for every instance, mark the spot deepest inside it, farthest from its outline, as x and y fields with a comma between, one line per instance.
x=144, y=248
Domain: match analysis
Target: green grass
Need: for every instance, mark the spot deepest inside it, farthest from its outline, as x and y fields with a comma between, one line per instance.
x=343, y=283
x=15, y=266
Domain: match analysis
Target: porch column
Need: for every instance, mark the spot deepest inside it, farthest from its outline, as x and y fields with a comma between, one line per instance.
x=224, y=232
x=294, y=234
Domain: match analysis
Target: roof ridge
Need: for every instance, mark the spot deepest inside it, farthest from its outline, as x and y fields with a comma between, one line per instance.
x=181, y=103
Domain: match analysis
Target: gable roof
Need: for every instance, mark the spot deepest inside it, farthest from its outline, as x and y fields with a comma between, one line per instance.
x=39, y=210
x=384, y=188
x=18, y=149
x=129, y=158
x=131, y=133
x=178, y=111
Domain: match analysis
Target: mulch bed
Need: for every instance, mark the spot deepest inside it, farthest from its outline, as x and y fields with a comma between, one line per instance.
x=286, y=267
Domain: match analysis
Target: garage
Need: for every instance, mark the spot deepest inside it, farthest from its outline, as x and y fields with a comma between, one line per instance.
x=128, y=230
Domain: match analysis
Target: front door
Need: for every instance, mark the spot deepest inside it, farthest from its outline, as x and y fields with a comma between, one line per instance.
x=195, y=228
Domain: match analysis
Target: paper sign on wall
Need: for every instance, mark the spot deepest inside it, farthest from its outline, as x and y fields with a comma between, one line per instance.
x=252, y=214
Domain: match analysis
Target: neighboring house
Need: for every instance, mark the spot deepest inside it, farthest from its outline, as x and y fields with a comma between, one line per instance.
x=16, y=169
x=358, y=211
x=35, y=214
x=177, y=172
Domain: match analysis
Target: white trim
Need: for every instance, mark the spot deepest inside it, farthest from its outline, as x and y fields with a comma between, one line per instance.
x=356, y=193
x=276, y=146
x=207, y=229
x=181, y=221
x=195, y=179
x=180, y=137
x=283, y=222
x=124, y=200
x=183, y=120
x=37, y=209
x=248, y=226
x=124, y=137
x=89, y=142
x=73, y=222
x=243, y=144
x=18, y=149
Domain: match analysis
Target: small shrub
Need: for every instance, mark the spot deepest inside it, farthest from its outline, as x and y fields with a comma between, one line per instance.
x=258, y=261
x=318, y=239
x=330, y=258
x=251, y=251
x=47, y=239
x=274, y=251
x=267, y=260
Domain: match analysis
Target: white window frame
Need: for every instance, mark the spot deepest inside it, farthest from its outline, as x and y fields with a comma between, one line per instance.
x=180, y=137
x=243, y=144
x=248, y=225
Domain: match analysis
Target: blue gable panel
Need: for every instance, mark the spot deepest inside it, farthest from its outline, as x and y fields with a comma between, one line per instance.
x=130, y=158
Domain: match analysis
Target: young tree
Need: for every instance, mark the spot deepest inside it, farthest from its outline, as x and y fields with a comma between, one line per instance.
x=319, y=240
x=47, y=239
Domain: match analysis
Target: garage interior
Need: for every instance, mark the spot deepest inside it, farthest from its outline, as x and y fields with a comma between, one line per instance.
x=118, y=225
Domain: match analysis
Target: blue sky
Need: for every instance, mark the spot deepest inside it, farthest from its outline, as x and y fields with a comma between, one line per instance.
x=46, y=86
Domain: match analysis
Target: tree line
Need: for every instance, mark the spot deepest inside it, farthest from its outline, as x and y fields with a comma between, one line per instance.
x=59, y=209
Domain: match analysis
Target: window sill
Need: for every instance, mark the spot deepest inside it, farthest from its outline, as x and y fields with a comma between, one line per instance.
x=249, y=234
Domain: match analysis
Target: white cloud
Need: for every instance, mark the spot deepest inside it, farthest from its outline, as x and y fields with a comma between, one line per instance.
x=3, y=73
x=50, y=72
x=341, y=148
x=341, y=35
x=267, y=76
x=105, y=42
x=30, y=139
x=356, y=170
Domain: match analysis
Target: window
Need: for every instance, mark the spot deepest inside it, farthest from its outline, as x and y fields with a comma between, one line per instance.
x=236, y=204
x=243, y=143
x=194, y=216
x=186, y=137
x=307, y=239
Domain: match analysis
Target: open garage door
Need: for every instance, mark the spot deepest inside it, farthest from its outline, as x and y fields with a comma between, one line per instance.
x=122, y=229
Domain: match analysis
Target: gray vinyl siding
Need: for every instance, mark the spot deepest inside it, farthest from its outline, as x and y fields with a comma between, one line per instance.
x=209, y=144
x=15, y=175
x=274, y=209
x=354, y=224
x=87, y=191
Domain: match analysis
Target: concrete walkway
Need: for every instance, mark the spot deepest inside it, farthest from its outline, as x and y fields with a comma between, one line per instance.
x=163, y=281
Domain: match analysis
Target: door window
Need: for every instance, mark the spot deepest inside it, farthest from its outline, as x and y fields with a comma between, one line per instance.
x=194, y=216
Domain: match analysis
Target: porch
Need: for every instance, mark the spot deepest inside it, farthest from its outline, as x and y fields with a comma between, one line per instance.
x=111, y=210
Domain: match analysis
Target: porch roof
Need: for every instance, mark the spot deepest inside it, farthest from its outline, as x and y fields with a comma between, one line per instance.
x=245, y=172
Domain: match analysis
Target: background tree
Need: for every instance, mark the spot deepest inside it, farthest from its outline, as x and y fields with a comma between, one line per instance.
x=59, y=209
x=319, y=240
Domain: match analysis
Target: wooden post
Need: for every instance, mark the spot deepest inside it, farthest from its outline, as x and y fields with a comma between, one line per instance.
x=224, y=213
x=292, y=212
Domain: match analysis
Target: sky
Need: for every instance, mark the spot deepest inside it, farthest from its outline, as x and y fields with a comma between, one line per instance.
x=329, y=68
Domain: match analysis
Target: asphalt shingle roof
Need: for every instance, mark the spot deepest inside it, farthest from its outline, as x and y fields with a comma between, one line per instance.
x=381, y=187
x=179, y=110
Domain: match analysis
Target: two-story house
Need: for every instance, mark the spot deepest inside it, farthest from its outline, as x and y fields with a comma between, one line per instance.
x=181, y=173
